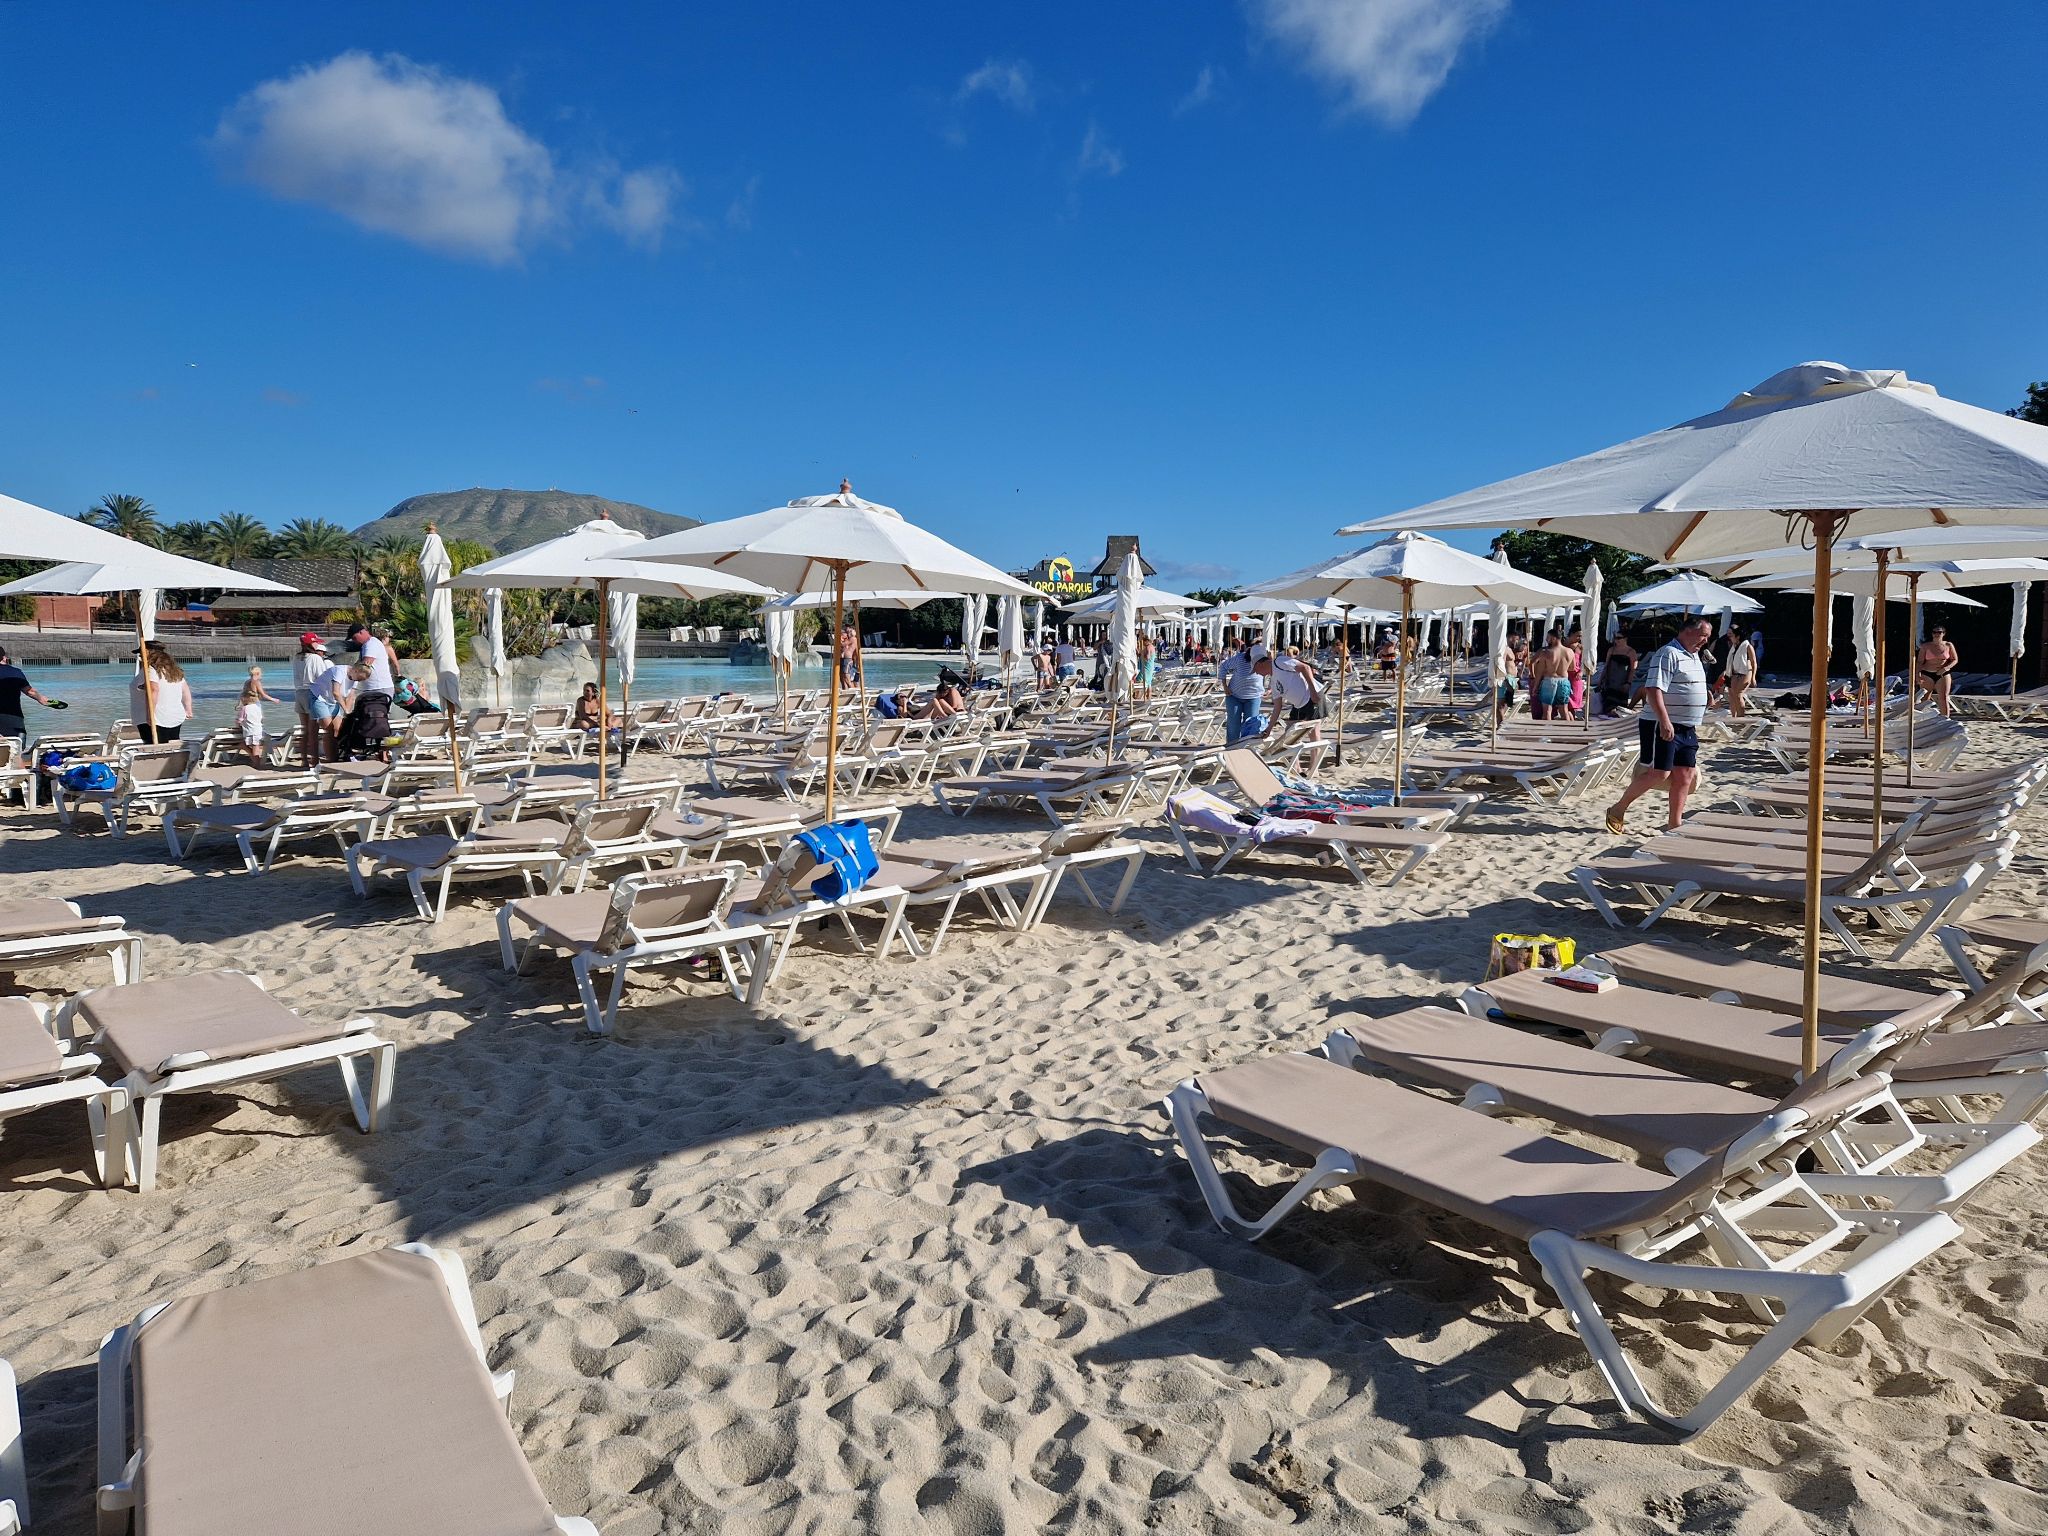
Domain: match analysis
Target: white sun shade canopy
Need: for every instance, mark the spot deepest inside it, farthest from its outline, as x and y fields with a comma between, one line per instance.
x=133, y=567
x=1964, y=544
x=1150, y=600
x=797, y=548
x=1693, y=593
x=604, y=550
x=798, y=601
x=1436, y=574
x=1818, y=437
x=29, y=532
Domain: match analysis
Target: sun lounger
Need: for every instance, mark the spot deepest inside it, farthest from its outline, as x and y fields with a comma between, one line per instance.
x=198, y=1033
x=1579, y=1212
x=604, y=834
x=1667, y=1115
x=642, y=920
x=1360, y=851
x=342, y=816
x=236, y=782
x=2024, y=943
x=1097, y=787
x=2008, y=1062
x=1071, y=852
x=351, y=1397
x=13, y=1475
x=549, y=728
x=17, y=772
x=154, y=780
x=1949, y=880
x=39, y=1069
x=36, y=931
x=1846, y=1002
x=1253, y=778
x=1549, y=776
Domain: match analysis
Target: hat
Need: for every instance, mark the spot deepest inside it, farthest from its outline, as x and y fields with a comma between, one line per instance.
x=313, y=640
x=1260, y=653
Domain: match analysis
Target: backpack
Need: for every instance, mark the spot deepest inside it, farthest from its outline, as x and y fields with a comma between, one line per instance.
x=84, y=777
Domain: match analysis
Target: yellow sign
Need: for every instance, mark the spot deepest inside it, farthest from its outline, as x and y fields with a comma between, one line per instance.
x=1059, y=570
x=1060, y=580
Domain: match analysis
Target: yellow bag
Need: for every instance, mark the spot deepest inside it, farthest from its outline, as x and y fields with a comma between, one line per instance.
x=1514, y=952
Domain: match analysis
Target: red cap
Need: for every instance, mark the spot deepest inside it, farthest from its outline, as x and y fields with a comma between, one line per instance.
x=309, y=638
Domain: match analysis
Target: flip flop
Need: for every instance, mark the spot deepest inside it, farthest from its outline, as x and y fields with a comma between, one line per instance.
x=1616, y=825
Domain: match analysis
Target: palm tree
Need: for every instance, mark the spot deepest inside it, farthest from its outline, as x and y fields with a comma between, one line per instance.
x=129, y=516
x=314, y=538
x=237, y=536
x=193, y=539
x=396, y=544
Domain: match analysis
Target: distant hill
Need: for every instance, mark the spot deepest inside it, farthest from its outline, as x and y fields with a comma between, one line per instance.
x=509, y=520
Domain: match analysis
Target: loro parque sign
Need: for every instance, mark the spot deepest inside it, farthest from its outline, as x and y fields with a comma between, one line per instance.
x=1059, y=581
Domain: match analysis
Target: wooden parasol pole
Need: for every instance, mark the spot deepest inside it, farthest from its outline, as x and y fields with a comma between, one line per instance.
x=1877, y=730
x=148, y=721
x=832, y=713
x=604, y=597
x=1913, y=666
x=1343, y=678
x=1401, y=685
x=1825, y=525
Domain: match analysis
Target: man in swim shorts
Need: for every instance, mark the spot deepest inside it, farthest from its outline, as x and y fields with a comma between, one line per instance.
x=1674, y=689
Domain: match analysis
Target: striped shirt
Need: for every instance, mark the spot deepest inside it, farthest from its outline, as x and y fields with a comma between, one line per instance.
x=1678, y=674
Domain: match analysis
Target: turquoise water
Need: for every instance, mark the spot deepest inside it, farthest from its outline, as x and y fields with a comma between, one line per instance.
x=98, y=694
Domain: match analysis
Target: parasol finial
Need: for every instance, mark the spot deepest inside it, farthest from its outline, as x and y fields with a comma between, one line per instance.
x=845, y=486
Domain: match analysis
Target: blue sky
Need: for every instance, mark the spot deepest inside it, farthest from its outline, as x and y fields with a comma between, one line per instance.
x=1222, y=274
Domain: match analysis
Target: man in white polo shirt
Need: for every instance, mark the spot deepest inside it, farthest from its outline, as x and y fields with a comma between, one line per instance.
x=373, y=699
x=1674, y=689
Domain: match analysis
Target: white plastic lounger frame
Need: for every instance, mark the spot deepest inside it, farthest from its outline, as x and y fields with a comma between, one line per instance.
x=107, y=936
x=106, y=1104
x=1882, y=1245
x=990, y=886
x=336, y=817
x=624, y=945
x=1061, y=866
x=13, y=1472
x=197, y=1072
x=119, y=1461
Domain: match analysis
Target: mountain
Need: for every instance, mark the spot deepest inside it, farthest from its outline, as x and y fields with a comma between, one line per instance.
x=509, y=520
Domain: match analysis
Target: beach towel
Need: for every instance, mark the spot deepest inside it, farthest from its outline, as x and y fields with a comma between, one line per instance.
x=1328, y=794
x=848, y=855
x=1323, y=807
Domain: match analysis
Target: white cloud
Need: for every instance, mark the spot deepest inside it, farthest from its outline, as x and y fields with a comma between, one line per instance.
x=1098, y=155
x=1387, y=56
x=409, y=150
x=1008, y=80
x=1202, y=92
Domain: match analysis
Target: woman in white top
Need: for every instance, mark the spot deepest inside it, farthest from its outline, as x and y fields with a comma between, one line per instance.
x=1741, y=670
x=307, y=668
x=173, y=696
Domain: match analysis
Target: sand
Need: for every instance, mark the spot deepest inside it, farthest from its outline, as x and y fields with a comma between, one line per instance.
x=911, y=1249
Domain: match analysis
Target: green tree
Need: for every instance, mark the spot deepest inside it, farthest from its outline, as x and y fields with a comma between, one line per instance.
x=1215, y=597
x=193, y=539
x=237, y=536
x=314, y=538
x=129, y=516
x=1557, y=558
x=2035, y=409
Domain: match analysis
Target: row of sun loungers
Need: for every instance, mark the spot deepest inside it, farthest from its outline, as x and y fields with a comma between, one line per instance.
x=1808, y=1205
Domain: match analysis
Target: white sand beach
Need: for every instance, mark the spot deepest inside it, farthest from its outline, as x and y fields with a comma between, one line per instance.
x=911, y=1248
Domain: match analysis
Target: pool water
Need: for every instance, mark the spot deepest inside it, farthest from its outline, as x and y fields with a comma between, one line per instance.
x=98, y=694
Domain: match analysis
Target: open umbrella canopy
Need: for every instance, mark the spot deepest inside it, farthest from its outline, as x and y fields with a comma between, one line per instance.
x=1933, y=543
x=797, y=548
x=133, y=567
x=29, y=532
x=603, y=550
x=905, y=598
x=1816, y=438
x=1150, y=600
x=1690, y=593
x=1432, y=573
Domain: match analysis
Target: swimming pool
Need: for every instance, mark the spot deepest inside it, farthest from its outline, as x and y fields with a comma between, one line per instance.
x=98, y=693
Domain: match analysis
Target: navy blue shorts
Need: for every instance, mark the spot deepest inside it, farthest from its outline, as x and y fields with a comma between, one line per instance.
x=1681, y=751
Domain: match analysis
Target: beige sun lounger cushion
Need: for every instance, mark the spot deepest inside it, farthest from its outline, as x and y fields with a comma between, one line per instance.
x=1501, y=1175
x=1648, y=1108
x=221, y=1013
x=1846, y=1002
x=32, y=917
x=342, y=1399
x=28, y=1051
